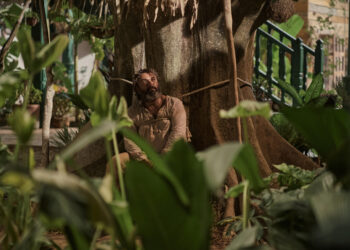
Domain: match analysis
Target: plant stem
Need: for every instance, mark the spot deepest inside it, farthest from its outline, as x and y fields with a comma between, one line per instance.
x=18, y=146
x=109, y=155
x=119, y=167
x=246, y=201
x=97, y=234
x=27, y=92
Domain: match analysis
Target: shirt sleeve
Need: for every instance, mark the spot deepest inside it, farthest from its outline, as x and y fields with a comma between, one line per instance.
x=178, y=125
x=134, y=151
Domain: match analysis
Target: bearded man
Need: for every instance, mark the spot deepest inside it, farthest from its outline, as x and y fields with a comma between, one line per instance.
x=159, y=119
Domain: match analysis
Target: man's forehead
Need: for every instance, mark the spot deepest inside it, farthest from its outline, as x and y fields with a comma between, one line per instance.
x=146, y=75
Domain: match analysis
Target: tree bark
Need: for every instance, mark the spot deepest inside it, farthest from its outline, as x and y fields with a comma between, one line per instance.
x=50, y=92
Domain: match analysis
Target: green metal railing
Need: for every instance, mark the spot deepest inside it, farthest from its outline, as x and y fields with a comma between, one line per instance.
x=298, y=53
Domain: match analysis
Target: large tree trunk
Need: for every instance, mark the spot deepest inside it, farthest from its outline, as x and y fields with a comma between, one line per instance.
x=189, y=59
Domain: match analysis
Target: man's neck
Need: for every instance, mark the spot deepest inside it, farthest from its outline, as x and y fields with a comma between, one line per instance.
x=155, y=105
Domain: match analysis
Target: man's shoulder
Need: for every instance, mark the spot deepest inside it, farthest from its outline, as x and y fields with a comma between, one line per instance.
x=173, y=100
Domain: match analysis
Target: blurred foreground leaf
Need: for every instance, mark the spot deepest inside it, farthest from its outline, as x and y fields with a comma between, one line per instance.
x=217, y=161
x=163, y=220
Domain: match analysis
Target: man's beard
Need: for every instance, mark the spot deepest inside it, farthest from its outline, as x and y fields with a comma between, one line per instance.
x=151, y=94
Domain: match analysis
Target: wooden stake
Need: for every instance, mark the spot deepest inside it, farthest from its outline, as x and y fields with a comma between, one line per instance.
x=232, y=59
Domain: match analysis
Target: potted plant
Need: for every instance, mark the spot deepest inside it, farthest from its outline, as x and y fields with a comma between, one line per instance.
x=35, y=97
x=61, y=108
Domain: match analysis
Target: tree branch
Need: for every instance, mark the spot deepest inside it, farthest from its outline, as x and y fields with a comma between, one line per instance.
x=14, y=31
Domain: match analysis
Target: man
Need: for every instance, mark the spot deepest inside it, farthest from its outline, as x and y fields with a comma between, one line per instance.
x=158, y=118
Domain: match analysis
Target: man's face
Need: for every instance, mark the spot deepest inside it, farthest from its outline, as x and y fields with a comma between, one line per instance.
x=147, y=88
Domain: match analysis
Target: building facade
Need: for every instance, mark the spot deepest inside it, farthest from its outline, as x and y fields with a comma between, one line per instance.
x=327, y=20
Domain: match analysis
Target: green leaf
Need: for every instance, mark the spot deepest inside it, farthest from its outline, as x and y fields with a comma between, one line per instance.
x=236, y=190
x=22, y=124
x=162, y=220
x=324, y=128
x=76, y=100
x=9, y=83
x=95, y=95
x=112, y=109
x=217, y=161
x=247, y=108
x=294, y=177
x=157, y=162
x=293, y=25
x=247, y=165
x=97, y=208
x=49, y=53
x=244, y=240
x=315, y=89
x=190, y=172
x=122, y=112
x=290, y=90
x=332, y=214
x=27, y=48
x=19, y=180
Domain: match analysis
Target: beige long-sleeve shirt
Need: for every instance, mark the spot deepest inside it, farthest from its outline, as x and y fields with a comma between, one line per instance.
x=161, y=131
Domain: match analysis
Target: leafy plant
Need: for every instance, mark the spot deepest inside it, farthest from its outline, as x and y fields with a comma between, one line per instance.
x=312, y=97
x=63, y=137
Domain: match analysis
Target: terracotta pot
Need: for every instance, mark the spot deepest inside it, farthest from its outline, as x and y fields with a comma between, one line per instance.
x=59, y=122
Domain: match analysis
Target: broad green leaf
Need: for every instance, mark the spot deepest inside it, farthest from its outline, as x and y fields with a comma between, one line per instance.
x=157, y=162
x=189, y=171
x=286, y=130
x=217, y=161
x=332, y=214
x=162, y=220
x=49, y=53
x=22, y=124
x=95, y=95
x=244, y=240
x=96, y=207
x=325, y=182
x=247, y=165
x=27, y=48
x=324, y=128
x=66, y=197
x=9, y=83
x=315, y=89
x=291, y=90
x=247, y=108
